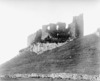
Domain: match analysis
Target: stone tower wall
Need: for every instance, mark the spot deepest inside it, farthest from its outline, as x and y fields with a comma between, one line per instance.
x=75, y=29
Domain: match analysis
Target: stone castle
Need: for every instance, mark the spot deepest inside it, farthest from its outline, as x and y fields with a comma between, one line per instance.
x=55, y=35
x=58, y=32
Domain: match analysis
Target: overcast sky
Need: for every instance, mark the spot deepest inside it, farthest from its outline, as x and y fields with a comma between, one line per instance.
x=20, y=18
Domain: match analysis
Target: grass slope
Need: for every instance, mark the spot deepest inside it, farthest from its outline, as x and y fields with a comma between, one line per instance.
x=79, y=56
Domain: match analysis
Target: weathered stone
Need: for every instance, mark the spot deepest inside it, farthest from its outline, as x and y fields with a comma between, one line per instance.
x=52, y=27
x=72, y=30
x=41, y=47
x=45, y=33
x=31, y=39
x=38, y=36
x=61, y=26
x=58, y=32
x=79, y=25
x=76, y=27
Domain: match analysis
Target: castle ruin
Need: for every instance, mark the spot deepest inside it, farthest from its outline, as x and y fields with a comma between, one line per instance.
x=57, y=33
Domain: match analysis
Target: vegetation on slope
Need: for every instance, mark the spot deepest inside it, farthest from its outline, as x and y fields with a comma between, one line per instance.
x=79, y=56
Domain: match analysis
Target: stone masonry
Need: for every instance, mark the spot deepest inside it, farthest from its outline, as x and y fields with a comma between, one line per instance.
x=58, y=32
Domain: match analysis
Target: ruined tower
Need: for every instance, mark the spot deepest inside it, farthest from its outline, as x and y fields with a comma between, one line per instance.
x=77, y=26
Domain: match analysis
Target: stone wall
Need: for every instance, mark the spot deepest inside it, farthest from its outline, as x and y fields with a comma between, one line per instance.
x=58, y=33
x=44, y=32
x=76, y=27
x=31, y=38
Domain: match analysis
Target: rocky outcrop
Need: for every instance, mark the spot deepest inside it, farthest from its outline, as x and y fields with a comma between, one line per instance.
x=41, y=47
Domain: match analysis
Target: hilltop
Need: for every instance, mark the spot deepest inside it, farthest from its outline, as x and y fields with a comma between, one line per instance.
x=58, y=49
x=78, y=56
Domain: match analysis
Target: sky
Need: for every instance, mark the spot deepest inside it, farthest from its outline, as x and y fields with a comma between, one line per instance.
x=20, y=18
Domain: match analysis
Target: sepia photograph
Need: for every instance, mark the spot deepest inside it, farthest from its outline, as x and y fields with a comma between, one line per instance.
x=49, y=40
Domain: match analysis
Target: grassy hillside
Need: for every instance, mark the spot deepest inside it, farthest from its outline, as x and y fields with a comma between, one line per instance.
x=79, y=56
